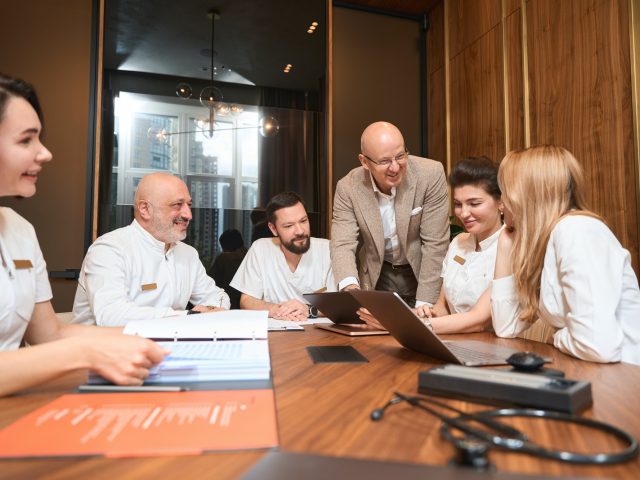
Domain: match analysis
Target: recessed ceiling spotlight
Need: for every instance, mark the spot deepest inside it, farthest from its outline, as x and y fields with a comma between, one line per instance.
x=314, y=24
x=309, y=31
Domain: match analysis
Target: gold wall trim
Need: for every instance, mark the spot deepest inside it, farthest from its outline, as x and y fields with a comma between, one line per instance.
x=447, y=88
x=634, y=32
x=329, y=119
x=505, y=79
x=525, y=75
x=98, y=128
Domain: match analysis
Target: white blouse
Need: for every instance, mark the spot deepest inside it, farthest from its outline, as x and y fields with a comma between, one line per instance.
x=23, y=277
x=588, y=292
x=466, y=274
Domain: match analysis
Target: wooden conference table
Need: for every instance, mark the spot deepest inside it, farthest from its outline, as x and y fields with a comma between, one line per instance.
x=324, y=409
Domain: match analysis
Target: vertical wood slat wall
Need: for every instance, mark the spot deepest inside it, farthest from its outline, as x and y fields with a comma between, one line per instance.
x=576, y=90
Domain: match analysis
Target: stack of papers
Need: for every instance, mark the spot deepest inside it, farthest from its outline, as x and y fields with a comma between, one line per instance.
x=212, y=361
x=215, y=346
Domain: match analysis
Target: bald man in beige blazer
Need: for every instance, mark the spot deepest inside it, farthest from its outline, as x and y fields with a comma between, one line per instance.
x=390, y=228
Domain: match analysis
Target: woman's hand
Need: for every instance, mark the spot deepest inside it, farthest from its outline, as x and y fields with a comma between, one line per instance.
x=123, y=359
x=365, y=316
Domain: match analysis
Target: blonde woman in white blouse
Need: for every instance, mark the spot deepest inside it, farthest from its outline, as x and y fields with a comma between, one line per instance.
x=467, y=270
x=25, y=294
x=559, y=262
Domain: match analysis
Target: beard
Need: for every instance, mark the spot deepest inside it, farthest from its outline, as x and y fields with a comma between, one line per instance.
x=296, y=248
x=165, y=232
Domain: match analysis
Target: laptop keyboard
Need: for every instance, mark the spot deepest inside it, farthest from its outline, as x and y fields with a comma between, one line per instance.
x=474, y=356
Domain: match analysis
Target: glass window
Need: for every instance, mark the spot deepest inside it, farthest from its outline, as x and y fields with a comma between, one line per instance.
x=221, y=170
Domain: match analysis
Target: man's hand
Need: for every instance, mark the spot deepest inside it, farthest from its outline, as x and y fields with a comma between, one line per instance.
x=365, y=316
x=206, y=308
x=290, y=310
x=352, y=286
x=123, y=359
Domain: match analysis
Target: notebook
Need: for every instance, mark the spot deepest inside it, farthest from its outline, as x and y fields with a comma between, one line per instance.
x=341, y=308
x=405, y=326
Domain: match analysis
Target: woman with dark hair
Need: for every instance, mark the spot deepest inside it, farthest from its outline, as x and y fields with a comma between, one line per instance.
x=467, y=270
x=26, y=313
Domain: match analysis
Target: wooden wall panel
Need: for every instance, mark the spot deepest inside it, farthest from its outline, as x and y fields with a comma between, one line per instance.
x=436, y=107
x=514, y=80
x=580, y=97
x=469, y=20
x=477, y=99
x=436, y=117
x=510, y=6
x=435, y=39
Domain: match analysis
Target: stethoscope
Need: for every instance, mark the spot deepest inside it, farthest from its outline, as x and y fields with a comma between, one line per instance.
x=475, y=442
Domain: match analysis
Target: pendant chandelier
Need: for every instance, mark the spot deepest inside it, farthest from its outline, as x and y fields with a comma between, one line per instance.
x=211, y=98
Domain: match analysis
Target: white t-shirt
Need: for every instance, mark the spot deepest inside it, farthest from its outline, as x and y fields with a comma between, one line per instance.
x=23, y=277
x=588, y=291
x=466, y=274
x=126, y=275
x=265, y=275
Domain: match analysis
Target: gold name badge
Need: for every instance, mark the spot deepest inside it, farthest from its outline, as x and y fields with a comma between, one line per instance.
x=149, y=286
x=22, y=264
x=459, y=259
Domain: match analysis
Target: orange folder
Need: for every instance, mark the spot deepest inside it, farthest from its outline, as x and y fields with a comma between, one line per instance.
x=143, y=424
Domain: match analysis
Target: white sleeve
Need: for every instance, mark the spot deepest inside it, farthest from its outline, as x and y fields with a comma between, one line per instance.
x=205, y=291
x=104, y=281
x=590, y=270
x=248, y=279
x=505, y=308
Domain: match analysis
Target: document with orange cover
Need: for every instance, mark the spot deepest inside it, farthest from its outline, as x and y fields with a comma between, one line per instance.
x=144, y=424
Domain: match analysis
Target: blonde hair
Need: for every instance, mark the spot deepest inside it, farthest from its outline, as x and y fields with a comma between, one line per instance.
x=540, y=185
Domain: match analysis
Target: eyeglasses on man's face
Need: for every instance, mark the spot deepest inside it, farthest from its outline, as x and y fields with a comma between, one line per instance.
x=400, y=159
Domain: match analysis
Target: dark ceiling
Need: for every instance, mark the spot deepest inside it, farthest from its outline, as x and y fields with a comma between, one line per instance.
x=406, y=7
x=254, y=40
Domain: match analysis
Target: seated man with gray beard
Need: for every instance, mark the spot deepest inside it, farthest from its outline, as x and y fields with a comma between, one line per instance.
x=144, y=270
x=277, y=271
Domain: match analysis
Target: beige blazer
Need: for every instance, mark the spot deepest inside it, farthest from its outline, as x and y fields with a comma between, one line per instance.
x=422, y=222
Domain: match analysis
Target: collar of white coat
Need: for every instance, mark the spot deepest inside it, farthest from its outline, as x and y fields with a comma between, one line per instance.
x=150, y=240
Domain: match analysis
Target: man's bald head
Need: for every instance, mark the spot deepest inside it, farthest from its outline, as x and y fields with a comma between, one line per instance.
x=383, y=142
x=379, y=133
x=162, y=206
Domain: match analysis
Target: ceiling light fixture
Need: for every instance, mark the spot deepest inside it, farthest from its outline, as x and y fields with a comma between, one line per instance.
x=211, y=98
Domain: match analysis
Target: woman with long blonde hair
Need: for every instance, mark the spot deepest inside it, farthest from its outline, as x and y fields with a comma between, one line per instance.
x=559, y=262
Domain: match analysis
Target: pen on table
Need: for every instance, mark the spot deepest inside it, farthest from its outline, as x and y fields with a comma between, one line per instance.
x=131, y=388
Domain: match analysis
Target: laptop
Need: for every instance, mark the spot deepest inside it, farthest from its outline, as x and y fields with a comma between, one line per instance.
x=405, y=326
x=341, y=308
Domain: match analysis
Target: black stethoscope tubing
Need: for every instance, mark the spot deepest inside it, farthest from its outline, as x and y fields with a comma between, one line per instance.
x=515, y=440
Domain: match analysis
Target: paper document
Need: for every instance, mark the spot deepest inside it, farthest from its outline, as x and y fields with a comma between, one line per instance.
x=203, y=361
x=280, y=325
x=227, y=324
